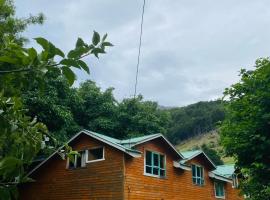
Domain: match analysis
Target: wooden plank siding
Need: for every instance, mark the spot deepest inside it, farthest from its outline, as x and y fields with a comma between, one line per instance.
x=177, y=185
x=119, y=177
x=97, y=181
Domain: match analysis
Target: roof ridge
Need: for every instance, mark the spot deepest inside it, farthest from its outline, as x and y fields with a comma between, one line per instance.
x=143, y=136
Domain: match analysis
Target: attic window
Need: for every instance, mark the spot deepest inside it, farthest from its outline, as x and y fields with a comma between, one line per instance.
x=77, y=161
x=219, y=190
x=197, y=175
x=155, y=164
x=235, y=181
x=95, y=154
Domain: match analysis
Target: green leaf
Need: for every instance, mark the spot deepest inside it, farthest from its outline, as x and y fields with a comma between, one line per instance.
x=4, y=193
x=59, y=52
x=84, y=66
x=107, y=44
x=95, y=38
x=77, y=53
x=97, y=51
x=80, y=43
x=42, y=42
x=104, y=37
x=69, y=74
x=32, y=53
x=9, y=167
x=8, y=59
x=70, y=62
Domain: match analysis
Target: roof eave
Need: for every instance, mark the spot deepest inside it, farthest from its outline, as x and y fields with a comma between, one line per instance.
x=219, y=177
x=133, y=153
x=177, y=164
x=197, y=154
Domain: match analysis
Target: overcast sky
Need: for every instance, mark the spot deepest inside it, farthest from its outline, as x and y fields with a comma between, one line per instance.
x=191, y=49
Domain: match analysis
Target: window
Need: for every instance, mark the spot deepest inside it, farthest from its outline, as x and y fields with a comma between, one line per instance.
x=95, y=154
x=197, y=175
x=219, y=190
x=155, y=164
x=235, y=181
x=77, y=161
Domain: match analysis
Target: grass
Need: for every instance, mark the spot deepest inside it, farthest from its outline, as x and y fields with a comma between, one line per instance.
x=211, y=139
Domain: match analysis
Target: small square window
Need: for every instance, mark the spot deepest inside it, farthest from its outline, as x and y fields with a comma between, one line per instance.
x=77, y=160
x=155, y=164
x=95, y=154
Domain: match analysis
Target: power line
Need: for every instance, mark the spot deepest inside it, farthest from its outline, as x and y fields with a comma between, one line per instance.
x=139, y=52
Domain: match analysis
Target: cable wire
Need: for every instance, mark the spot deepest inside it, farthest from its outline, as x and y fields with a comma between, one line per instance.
x=139, y=52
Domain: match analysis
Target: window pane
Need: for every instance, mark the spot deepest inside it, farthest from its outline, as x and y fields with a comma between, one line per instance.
x=161, y=161
x=79, y=160
x=156, y=159
x=198, y=171
x=71, y=163
x=198, y=181
x=193, y=170
x=155, y=171
x=194, y=180
x=162, y=172
x=219, y=189
x=148, y=170
x=95, y=154
x=148, y=158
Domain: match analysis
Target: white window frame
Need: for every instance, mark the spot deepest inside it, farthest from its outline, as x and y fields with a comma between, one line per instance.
x=196, y=177
x=75, y=161
x=235, y=183
x=97, y=160
x=153, y=175
x=223, y=184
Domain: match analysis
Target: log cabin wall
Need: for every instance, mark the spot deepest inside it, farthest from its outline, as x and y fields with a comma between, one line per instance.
x=98, y=180
x=177, y=185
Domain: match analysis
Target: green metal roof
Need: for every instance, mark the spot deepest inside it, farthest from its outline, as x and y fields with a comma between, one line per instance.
x=224, y=170
x=125, y=143
x=105, y=137
x=128, y=144
x=189, y=154
x=136, y=140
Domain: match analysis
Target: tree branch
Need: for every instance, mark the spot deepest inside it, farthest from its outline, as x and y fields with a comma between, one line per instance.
x=15, y=70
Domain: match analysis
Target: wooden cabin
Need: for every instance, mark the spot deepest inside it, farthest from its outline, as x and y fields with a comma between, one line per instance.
x=147, y=167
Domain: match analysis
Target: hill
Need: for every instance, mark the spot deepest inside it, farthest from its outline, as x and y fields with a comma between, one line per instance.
x=194, y=119
x=210, y=139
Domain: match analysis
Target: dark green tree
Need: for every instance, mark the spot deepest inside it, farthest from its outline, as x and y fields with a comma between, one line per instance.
x=20, y=68
x=55, y=105
x=97, y=110
x=213, y=154
x=137, y=117
x=245, y=133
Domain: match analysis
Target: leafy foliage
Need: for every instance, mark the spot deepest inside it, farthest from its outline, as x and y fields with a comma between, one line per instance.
x=20, y=141
x=137, y=117
x=10, y=26
x=245, y=131
x=65, y=110
x=212, y=154
x=22, y=69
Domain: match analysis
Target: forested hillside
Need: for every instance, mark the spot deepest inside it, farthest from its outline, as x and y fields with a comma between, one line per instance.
x=194, y=119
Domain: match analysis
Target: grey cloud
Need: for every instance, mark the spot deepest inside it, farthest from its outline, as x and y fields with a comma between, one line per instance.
x=191, y=50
